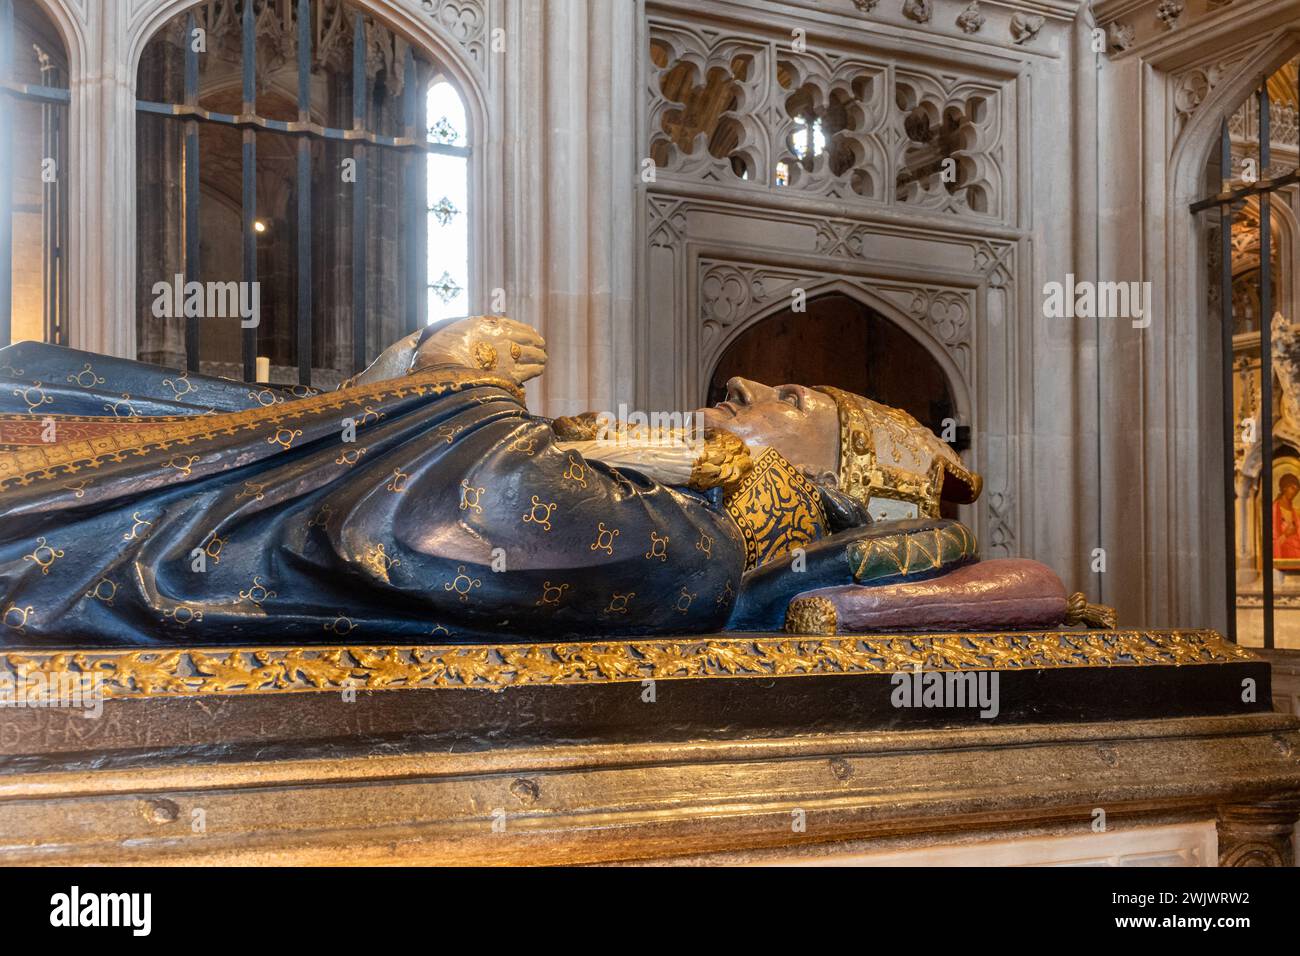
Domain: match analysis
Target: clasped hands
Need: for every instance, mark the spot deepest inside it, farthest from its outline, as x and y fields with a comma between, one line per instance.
x=486, y=343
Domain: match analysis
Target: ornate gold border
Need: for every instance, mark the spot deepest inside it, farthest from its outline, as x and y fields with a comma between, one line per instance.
x=162, y=673
x=27, y=464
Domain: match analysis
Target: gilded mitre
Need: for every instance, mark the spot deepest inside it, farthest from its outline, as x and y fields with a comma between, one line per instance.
x=890, y=462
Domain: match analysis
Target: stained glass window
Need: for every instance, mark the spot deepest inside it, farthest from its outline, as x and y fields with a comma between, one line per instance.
x=448, y=199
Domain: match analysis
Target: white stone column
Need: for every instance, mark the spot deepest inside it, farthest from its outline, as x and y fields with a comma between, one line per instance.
x=101, y=254
x=568, y=129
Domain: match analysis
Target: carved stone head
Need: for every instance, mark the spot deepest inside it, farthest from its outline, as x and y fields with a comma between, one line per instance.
x=879, y=456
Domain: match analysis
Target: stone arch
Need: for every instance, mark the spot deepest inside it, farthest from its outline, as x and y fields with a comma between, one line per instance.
x=66, y=18
x=415, y=25
x=1176, y=375
x=861, y=292
x=420, y=27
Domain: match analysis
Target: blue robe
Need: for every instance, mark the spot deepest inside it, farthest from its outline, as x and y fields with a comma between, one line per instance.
x=452, y=516
x=429, y=509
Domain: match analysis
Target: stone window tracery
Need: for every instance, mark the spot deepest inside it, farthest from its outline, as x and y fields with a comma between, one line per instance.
x=825, y=139
x=943, y=162
x=698, y=118
x=823, y=124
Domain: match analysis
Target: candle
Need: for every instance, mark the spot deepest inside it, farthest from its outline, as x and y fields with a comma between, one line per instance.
x=263, y=368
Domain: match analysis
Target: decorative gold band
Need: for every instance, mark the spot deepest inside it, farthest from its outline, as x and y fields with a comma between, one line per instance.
x=26, y=465
x=192, y=672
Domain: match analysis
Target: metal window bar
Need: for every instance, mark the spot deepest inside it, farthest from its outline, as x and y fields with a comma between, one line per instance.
x=191, y=113
x=54, y=102
x=416, y=206
x=303, y=187
x=54, y=228
x=1225, y=200
x=6, y=175
x=248, y=174
x=190, y=163
x=360, y=208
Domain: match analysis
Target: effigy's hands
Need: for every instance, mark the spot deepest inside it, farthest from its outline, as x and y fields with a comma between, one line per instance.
x=486, y=342
x=714, y=459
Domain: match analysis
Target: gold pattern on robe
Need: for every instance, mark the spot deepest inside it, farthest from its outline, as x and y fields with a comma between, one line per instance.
x=471, y=497
x=705, y=544
x=380, y=561
x=184, y=615
x=124, y=400
x=397, y=484
x=341, y=625
x=776, y=508
x=551, y=594
x=257, y=592
x=618, y=602
x=212, y=546
x=16, y=617
x=523, y=443
x=462, y=583
x=86, y=378
x=137, y=525
x=175, y=385
x=33, y=403
x=98, y=592
x=604, y=539
x=576, y=471
x=44, y=556
x=448, y=433
x=540, y=513
x=658, y=546
x=252, y=490
x=183, y=463
x=284, y=437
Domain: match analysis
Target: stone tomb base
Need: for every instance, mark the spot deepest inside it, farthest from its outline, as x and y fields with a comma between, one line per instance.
x=735, y=748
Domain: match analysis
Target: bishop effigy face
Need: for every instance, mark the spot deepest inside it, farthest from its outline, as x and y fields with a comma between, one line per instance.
x=801, y=423
x=423, y=503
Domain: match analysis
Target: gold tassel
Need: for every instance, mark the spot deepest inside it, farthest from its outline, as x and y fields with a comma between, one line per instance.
x=1079, y=611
